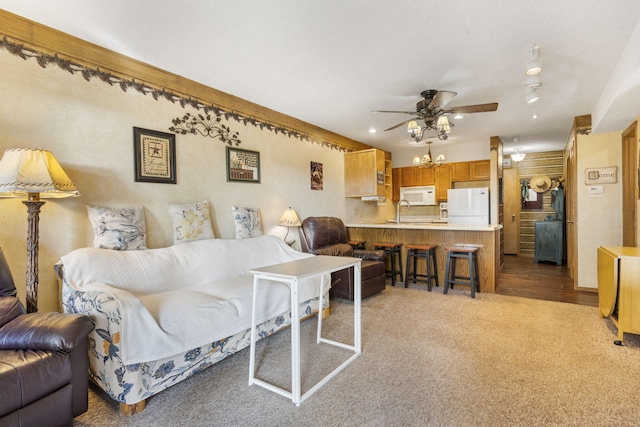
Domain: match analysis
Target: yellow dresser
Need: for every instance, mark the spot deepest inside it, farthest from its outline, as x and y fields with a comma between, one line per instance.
x=619, y=287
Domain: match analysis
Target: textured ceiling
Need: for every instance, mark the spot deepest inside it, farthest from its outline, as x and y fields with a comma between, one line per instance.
x=330, y=63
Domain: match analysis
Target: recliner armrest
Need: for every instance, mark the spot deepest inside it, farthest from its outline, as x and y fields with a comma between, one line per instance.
x=10, y=308
x=378, y=255
x=45, y=331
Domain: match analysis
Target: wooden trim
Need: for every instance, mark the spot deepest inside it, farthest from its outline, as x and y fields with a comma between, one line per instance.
x=53, y=42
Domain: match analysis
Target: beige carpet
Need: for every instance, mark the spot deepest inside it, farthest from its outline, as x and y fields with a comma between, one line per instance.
x=428, y=359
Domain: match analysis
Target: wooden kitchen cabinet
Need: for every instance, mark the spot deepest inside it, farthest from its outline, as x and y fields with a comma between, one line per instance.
x=459, y=171
x=618, y=287
x=365, y=174
x=479, y=170
x=414, y=176
x=443, y=182
x=396, y=180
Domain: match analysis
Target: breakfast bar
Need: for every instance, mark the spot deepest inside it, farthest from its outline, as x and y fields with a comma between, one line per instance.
x=487, y=238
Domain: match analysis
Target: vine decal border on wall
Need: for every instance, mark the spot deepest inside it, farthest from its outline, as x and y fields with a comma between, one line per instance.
x=223, y=133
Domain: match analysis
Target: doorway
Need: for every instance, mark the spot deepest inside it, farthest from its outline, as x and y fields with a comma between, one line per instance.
x=511, y=182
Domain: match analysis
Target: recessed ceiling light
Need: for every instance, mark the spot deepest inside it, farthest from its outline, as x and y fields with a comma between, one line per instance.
x=372, y=130
x=458, y=116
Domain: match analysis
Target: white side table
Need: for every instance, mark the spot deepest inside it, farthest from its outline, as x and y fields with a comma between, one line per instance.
x=291, y=273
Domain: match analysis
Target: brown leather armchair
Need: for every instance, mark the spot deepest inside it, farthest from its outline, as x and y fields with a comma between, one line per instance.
x=43, y=362
x=324, y=235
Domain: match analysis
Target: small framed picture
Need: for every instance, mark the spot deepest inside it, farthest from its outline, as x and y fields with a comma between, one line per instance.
x=155, y=156
x=506, y=162
x=243, y=165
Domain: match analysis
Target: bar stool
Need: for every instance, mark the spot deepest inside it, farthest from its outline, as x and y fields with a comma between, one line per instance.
x=357, y=244
x=392, y=250
x=471, y=254
x=424, y=251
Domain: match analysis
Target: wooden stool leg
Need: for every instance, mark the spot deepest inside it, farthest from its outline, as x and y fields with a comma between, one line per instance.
x=406, y=271
x=435, y=266
x=472, y=275
x=427, y=261
x=447, y=275
x=475, y=259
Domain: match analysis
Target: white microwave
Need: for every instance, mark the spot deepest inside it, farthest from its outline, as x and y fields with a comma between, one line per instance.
x=419, y=196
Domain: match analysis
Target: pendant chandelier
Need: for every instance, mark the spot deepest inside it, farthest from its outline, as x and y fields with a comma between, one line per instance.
x=427, y=161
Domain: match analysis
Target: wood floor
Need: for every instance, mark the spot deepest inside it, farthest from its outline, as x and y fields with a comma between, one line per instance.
x=522, y=277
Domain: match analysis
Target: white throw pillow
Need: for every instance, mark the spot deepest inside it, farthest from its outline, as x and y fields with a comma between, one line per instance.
x=190, y=222
x=247, y=222
x=118, y=228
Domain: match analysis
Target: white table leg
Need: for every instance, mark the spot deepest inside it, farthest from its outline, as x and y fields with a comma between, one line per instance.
x=295, y=343
x=252, y=353
x=320, y=308
x=357, y=304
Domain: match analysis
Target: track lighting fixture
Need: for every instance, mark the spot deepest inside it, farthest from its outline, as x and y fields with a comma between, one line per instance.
x=532, y=70
x=534, y=66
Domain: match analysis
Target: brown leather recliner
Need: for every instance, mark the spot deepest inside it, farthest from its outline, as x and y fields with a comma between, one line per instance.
x=44, y=362
x=324, y=235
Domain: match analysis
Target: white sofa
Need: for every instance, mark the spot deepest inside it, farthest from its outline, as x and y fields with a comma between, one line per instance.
x=162, y=315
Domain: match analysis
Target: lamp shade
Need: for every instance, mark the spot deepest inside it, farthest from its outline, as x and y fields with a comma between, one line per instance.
x=25, y=171
x=290, y=219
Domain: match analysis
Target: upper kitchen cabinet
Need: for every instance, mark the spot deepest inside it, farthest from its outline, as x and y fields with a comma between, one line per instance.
x=459, y=171
x=480, y=170
x=413, y=176
x=443, y=181
x=477, y=170
x=367, y=173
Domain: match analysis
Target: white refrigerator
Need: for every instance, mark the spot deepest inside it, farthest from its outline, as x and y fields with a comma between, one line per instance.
x=468, y=206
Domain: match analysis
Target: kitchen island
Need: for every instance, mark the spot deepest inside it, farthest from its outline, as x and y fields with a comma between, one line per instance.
x=487, y=238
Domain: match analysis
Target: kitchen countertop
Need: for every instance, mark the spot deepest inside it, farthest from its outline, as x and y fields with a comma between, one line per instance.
x=426, y=226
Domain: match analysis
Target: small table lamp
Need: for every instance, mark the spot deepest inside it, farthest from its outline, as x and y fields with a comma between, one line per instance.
x=289, y=219
x=34, y=174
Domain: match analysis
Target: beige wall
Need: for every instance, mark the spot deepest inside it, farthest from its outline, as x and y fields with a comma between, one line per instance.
x=89, y=128
x=599, y=219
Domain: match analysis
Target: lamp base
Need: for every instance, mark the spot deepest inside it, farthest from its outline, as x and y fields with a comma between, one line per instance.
x=33, y=218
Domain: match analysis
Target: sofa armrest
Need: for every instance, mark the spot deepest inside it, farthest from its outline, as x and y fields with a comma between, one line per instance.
x=370, y=255
x=339, y=249
x=10, y=308
x=45, y=331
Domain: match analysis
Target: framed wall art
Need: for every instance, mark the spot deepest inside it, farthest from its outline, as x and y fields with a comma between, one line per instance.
x=243, y=165
x=317, y=176
x=155, y=156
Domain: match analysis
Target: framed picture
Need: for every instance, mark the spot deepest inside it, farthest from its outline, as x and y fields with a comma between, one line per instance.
x=317, y=177
x=155, y=156
x=243, y=165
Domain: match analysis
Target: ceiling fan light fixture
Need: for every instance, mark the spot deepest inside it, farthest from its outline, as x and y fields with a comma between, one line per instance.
x=518, y=155
x=443, y=125
x=413, y=128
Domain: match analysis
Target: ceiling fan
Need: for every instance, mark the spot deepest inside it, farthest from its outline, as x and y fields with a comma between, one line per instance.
x=431, y=109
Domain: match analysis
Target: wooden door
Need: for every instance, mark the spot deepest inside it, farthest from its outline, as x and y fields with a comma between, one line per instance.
x=571, y=208
x=629, y=186
x=511, y=182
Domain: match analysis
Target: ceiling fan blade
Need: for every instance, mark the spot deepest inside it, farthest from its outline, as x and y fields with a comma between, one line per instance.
x=400, y=124
x=442, y=98
x=478, y=108
x=388, y=111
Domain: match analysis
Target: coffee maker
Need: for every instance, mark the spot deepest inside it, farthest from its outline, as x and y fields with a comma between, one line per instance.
x=444, y=210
